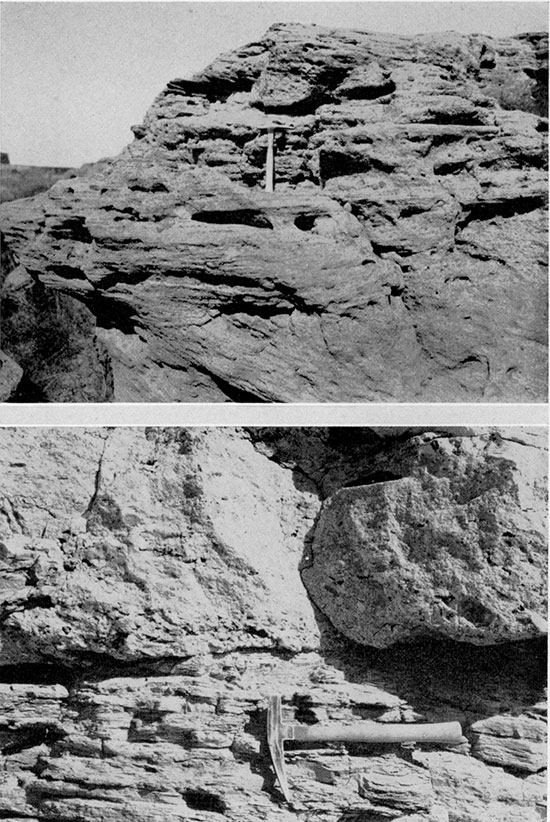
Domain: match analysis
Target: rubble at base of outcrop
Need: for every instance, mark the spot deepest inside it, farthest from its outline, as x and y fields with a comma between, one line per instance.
x=151, y=603
x=402, y=255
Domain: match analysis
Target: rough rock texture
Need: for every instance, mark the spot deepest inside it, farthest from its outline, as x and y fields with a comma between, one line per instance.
x=50, y=338
x=10, y=377
x=151, y=601
x=401, y=256
x=452, y=541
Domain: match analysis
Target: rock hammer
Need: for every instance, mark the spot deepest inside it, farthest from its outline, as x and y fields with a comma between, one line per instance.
x=374, y=733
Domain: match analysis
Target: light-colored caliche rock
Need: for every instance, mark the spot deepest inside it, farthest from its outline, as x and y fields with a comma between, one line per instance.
x=159, y=543
x=151, y=604
x=402, y=255
x=456, y=547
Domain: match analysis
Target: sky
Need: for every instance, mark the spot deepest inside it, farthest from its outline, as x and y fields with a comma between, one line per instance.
x=77, y=75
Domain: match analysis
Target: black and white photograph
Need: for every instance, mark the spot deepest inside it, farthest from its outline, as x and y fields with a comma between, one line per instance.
x=337, y=624
x=274, y=202
x=273, y=411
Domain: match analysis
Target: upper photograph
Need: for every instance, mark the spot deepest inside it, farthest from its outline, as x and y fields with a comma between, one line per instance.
x=279, y=202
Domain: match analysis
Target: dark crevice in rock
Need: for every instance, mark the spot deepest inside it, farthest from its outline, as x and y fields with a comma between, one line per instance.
x=370, y=93
x=222, y=278
x=201, y=800
x=34, y=601
x=443, y=169
x=67, y=272
x=385, y=166
x=95, y=667
x=304, y=709
x=425, y=669
x=212, y=88
x=411, y=211
x=51, y=334
x=237, y=216
x=233, y=392
x=299, y=109
x=452, y=119
x=298, y=302
x=40, y=733
x=340, y=163
x=380, y=249
x=37, y=673
x=72, y=228
x=305, y=222
x=113, y=313
x=155, y=187
x=472, y=251
x=244, y=305
x=28, y=391
x=365, y=816
x=92, y=667
x=374, y=477
x=506, y=208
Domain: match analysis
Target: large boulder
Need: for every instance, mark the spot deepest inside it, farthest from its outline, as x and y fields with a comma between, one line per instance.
x=452, y=544
x=141, y=544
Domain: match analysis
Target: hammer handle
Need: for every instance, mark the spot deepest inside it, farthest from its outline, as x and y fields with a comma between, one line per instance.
x=447, y=733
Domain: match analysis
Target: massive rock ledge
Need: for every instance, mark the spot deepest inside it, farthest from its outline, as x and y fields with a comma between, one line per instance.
x=400, y=257
x=151, y=602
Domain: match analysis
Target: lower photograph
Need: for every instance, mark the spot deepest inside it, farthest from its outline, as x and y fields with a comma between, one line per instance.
x=286, y=623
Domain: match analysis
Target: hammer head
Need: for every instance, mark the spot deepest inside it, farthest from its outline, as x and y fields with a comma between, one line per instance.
x=276, y=734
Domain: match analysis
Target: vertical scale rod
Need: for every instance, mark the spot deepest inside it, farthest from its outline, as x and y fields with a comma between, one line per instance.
x=270, y=161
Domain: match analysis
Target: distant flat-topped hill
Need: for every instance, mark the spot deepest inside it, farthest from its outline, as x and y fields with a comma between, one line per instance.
x=17, y=181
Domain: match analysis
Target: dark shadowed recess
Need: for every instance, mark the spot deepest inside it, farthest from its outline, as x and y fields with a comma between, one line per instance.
x=52, y=337
x=37, y=673
x=326, y=459
x=443, y=679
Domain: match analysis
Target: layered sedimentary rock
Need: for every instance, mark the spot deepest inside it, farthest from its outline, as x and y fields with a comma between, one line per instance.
x=151, y=602
x=400, y=257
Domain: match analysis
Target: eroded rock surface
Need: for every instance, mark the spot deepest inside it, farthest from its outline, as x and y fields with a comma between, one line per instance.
x=11, y=375
x=452, y=542
x=151, y=602
x=50, y=338
x=401, y=256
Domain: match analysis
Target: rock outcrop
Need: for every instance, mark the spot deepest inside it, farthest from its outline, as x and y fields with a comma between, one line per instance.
x=448, y=543
x=151, y=602
x=400, y=257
